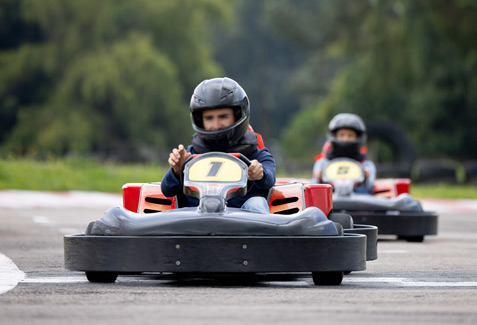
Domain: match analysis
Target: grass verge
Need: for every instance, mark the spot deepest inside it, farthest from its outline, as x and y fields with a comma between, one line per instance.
x=74, y=174
x=87, y=175
x=444, y=191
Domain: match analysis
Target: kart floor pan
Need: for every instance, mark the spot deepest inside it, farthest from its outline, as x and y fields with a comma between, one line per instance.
x=205, y=254
x=399, y=223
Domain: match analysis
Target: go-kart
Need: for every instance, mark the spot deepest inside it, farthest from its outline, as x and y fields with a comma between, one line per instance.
x=390, y=207
x=153, y=233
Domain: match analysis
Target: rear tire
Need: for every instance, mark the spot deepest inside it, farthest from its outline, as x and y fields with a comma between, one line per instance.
x=327, y=278
x=411, y=239
x=414, y=239
x=101, y=277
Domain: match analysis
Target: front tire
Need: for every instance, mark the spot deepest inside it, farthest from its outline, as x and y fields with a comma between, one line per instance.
x=101, y=277
x=327, y=278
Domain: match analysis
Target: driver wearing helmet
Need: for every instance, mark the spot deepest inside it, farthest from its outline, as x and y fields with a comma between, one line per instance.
x=220, y=112
x=346, y=135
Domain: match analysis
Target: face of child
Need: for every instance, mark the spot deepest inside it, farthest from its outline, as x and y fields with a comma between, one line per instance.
x=219, y=118
x=346, y=135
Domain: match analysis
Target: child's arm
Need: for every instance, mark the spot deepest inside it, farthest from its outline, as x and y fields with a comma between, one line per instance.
x=370, y=174
x=316, y=177
x=171, y=184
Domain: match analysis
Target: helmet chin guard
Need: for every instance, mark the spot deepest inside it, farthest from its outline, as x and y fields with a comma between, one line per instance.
x=348, y=149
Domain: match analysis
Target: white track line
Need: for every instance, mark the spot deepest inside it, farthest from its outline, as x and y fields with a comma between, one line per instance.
x=387, y=281
x=10, y=275
x=16, y=199
x=406, y=282
x=69, y=279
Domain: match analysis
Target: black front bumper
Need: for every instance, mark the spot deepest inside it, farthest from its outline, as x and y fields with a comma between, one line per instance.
x=209, y=254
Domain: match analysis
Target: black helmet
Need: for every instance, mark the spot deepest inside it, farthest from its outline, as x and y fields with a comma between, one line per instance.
x=220, y=93
x=346, y=121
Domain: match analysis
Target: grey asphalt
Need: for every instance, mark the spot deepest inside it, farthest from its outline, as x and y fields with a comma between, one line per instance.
x=434, y=282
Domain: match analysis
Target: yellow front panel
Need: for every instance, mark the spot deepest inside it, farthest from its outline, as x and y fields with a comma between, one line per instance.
x=343, y=169
x=215, y=169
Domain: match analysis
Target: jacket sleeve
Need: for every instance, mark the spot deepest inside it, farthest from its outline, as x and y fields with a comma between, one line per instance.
x=170, y=184
x=369, y=183
x=269, y=170
x=318, y=166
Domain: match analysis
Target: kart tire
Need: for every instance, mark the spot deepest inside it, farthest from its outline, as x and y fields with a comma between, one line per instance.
x=412, y=239
x=402, y=148
x=327, y=278
x=339, y=227
x=342, y=218
x=435, y=171
x=101, y=277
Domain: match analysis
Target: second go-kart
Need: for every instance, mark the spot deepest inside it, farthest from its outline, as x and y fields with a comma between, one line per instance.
x=152, y=233
x=390, y=207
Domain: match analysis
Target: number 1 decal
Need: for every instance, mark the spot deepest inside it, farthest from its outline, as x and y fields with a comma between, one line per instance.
x=214, y=168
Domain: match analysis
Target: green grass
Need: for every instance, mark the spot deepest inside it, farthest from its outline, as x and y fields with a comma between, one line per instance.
x=87, y=175
x=74, y=174
x=444, y=191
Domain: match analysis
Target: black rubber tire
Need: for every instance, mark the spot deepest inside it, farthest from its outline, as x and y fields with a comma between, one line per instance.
x=101, y=277
x=89, y=229
x=327, y=278
x=402, y=148
x=342, y=218
x=470, y=169
x=339, y=227
x=436, y=171
x=415, y=239
x=412, y=239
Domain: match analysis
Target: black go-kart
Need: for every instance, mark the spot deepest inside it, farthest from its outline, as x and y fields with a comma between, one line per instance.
x=153, y=234
x=390, y=207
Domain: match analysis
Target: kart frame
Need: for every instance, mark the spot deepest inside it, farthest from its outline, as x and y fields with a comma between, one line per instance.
x=327, y=257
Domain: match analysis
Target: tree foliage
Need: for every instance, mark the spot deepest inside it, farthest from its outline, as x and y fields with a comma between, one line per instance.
x=412, y=63
x=262, y=60
x=115, y=76
x=110, y=76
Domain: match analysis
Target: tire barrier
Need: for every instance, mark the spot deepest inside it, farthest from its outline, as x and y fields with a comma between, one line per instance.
x=399, y=143
x=470, y=168
x=436, y=171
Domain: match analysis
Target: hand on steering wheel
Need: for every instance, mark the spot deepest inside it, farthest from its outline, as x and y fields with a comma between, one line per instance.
x=177, y=158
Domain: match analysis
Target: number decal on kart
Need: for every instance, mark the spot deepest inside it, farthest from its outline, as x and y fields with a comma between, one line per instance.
x=214, y=168
x=342, y=170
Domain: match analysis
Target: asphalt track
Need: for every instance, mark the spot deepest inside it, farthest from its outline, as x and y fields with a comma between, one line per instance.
x=434, y=282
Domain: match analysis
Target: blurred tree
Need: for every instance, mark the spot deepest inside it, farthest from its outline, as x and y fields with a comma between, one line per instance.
x=110, y=77
x=412, y=63
x=262, y=60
